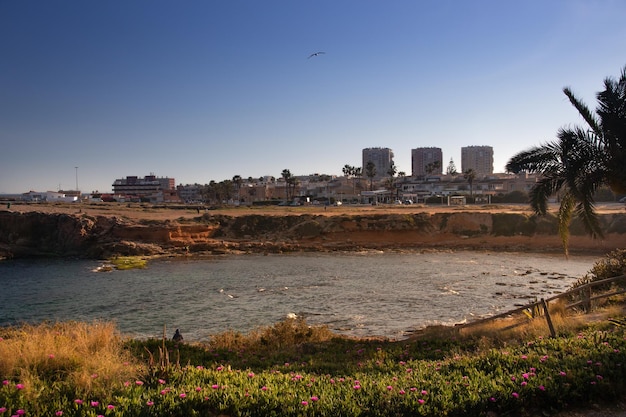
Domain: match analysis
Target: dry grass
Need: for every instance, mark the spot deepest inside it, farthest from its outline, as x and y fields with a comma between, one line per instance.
x=87, y=358
x=289, y=332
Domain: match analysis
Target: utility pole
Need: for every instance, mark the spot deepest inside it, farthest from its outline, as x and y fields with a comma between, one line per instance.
x=76, y=168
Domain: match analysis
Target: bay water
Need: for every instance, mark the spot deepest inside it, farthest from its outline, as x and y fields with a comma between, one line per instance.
x=358, y=294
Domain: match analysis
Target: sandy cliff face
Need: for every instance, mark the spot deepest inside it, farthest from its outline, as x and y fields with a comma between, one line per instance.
x=81, y=235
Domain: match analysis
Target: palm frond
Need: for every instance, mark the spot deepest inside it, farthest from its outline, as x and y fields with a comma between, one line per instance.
x=542, y=190
x=612, y=112
x=586, y=212
x=536, y=159
x=584, y=111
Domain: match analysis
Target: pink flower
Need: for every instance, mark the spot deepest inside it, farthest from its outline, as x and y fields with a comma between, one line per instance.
x=58, y=413
x=3, y=410
x=525, y=376
x=20, y=412
x=78, y=401
x=424, y=392
x=542, y=388
x=94, y=403
x=215, y=386
x=314, y=398
x=127, y=383
x=263, y=388
x=250, y=374
x=51, y=356
x=421, y=401
x=413, y=389
x=357, y=387
x=523, y=383
x=402, y=392
x=562, y=373
x=183, y=395
x=150, y=403
x=161, y=381
x=305, y=403
x=515, y=395
x=138, y=383
x=524, y=357
x=198, y=389
x=492, y=399
x=19, y=386
x=220, y=368
x=110, y=407
x=389, y=387
x=5, y=382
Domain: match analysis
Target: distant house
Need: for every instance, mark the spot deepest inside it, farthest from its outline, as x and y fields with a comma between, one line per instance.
x=49, y=196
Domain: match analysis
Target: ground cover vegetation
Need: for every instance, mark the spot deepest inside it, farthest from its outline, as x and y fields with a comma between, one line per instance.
x=293, y=369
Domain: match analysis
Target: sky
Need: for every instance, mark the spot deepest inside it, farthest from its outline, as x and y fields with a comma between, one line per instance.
x=201, y=90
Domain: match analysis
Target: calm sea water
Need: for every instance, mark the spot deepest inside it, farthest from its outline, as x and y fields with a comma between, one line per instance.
x=357, y=294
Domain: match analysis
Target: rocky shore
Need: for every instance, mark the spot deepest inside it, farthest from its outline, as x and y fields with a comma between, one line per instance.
x=107, y=231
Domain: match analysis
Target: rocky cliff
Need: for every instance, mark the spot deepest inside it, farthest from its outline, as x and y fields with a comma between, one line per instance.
x=80, y=235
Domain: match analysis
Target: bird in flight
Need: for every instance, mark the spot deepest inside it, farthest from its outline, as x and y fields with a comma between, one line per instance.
x=316, y=54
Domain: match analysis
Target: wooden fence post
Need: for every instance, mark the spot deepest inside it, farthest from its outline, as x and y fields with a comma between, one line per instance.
x=548, y=319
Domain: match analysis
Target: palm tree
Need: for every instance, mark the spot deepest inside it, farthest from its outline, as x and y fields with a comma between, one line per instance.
x=286, y=174
x=391, y=171
x=581, y=160
x=356, y=179
x=237, y=180
x=370, y=172
x=470, y=175
x=434, y=166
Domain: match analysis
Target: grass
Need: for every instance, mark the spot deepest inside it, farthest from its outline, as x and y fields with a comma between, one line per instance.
x=292, y=369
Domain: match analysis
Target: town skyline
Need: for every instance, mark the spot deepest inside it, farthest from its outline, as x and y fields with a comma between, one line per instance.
x=277, y=176
x=208, y=90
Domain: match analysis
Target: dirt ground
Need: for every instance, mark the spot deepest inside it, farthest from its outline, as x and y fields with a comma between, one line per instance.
x=172, y=212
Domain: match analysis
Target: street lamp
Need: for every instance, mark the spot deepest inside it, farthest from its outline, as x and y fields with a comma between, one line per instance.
x=76, y=168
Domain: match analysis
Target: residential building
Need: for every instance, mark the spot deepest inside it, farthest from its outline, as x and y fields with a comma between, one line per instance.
x=426, y=161
x=150, y=187
x=477, y=158
x=382, y=159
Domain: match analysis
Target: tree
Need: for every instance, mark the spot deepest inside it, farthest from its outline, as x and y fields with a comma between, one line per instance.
x=391, y=171
x=451, y=170
x=237, y=181
x=581, y=160
x=286, y=174
x=370, y=172
x=401, y=175
x=434, y=166
x=347, y=170
x=356, y=179
x=470, y=175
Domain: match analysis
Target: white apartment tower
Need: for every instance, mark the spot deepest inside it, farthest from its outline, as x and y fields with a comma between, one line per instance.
x=478, y=158
x=381, y=157
x=426, y=161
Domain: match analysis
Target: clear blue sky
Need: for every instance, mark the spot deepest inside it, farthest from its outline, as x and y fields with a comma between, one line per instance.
x=204, y=90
